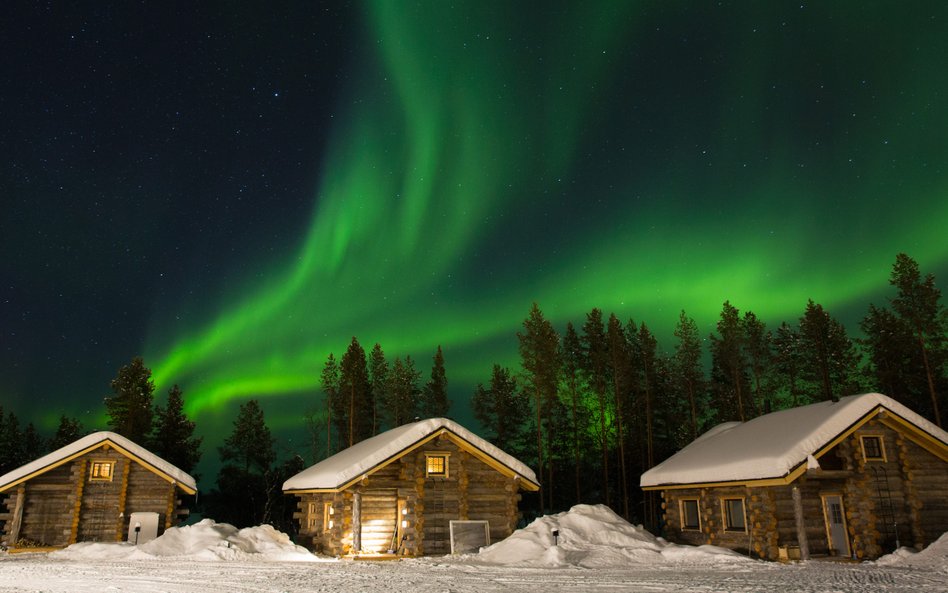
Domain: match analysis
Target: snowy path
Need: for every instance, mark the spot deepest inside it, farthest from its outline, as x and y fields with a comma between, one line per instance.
x=36, y=573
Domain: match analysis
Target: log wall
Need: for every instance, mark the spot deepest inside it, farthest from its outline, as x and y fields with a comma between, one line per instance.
x=63, y=506
x=902, y=500
x=472, y=490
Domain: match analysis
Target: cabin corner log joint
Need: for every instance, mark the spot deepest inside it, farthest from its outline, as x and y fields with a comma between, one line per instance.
x=397, y=492
x=87, y=491
x=854, y=478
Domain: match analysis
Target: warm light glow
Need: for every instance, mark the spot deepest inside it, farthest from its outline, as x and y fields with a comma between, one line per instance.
x=404, y=524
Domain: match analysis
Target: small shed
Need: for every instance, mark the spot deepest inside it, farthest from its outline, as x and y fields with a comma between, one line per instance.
x=400, y=491
x=87, y=491
x=854, y=478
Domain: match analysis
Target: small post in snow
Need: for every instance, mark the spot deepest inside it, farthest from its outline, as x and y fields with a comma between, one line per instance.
x=556, y=535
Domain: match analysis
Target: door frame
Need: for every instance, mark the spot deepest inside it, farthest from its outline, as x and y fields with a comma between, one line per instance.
x=827, y=523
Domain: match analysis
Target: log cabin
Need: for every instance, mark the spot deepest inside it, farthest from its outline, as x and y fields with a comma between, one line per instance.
x=87, y=491
x=404, y=490
x=854, y=478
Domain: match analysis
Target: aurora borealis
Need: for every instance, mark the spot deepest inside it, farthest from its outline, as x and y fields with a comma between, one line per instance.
x=235, y=193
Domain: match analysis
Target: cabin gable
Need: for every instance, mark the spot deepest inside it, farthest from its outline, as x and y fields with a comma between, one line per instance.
x=880, y=484
x=87, y=496
x=405, y=505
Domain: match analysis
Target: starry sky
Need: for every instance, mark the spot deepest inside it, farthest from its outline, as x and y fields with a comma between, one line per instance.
x=233, y=190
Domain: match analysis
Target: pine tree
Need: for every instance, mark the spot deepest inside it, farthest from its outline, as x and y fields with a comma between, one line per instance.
x=596, y=373
x=434, y=401
x=11, y=443
x=329, y=379
x=68, y=431
x=539, y=350
x=503, y=411
x=402, y=404
x=729, y=366
x=354, y=417
x=829, y=356
x=250, y=446
x=788, y=361
x=891, y=353
x=688, y=372
x=571, y=357
x=130, y=409
x=246, y=482
x=378, y=379
x=918, y=305
x=620, y=367
x=174, y=439
x=758, y=350
x=34, y=445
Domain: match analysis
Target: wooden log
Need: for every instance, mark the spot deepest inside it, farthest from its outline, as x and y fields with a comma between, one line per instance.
x=17, y=522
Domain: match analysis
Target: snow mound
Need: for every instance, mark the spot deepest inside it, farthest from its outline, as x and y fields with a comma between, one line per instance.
x=935, y=556
x=593, y=536
x=206, y=540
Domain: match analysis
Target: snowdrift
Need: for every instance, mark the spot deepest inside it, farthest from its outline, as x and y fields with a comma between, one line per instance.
x=206, y=540
x=593, y=536
x=935, y=556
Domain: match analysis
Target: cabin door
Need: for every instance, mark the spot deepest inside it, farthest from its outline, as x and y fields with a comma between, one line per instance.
x=379, y=519
x=835, y=517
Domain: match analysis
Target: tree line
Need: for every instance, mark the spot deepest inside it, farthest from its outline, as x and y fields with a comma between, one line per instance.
x=596, y=406
x=590, y=408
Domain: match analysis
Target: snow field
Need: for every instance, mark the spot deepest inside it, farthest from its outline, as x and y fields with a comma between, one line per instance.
x=596, y=551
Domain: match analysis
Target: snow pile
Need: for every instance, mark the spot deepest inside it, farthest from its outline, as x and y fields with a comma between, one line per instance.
x=593, y=536
x=934, y=556
x=206, y=540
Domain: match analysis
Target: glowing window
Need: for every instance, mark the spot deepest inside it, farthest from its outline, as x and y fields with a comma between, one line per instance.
x=102, y=471
x=436, y=465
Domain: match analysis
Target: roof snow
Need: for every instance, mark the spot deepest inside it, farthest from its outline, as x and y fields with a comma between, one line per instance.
x=365, y=456
x=771, y=446
x=92, y=441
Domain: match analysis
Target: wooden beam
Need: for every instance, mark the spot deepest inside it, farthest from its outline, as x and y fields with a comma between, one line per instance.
x=356, y=521
x=170, y=512
x=800, y=523
x=80, y=472
x=123, y=494
x=17, y=522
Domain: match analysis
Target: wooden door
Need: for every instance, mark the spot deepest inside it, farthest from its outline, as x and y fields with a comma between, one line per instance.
x=379, y=519
x=835, y=517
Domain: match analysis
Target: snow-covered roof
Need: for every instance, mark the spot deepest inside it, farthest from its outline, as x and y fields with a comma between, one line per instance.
x=88, y=443
x=773, y=445
x=364, y=457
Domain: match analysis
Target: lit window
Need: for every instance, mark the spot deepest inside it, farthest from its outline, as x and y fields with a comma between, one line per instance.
x=328, y=514
x=734, y=514
x=689, y=514
x=873, y=448
x=436, y=465
x=101, y=470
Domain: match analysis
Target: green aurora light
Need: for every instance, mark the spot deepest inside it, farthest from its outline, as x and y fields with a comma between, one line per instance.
x=490, y=157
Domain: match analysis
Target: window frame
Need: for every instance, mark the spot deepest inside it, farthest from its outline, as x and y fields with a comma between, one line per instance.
x=862, y=443
x=328, y=514
x=444, y=456
x=95, y=470
x=682, y=515
x=727, y=516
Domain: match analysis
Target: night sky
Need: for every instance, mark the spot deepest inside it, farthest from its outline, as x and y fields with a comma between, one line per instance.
x=234, y=191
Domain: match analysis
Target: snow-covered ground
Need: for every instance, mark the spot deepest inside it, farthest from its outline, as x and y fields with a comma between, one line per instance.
x=596, y=551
